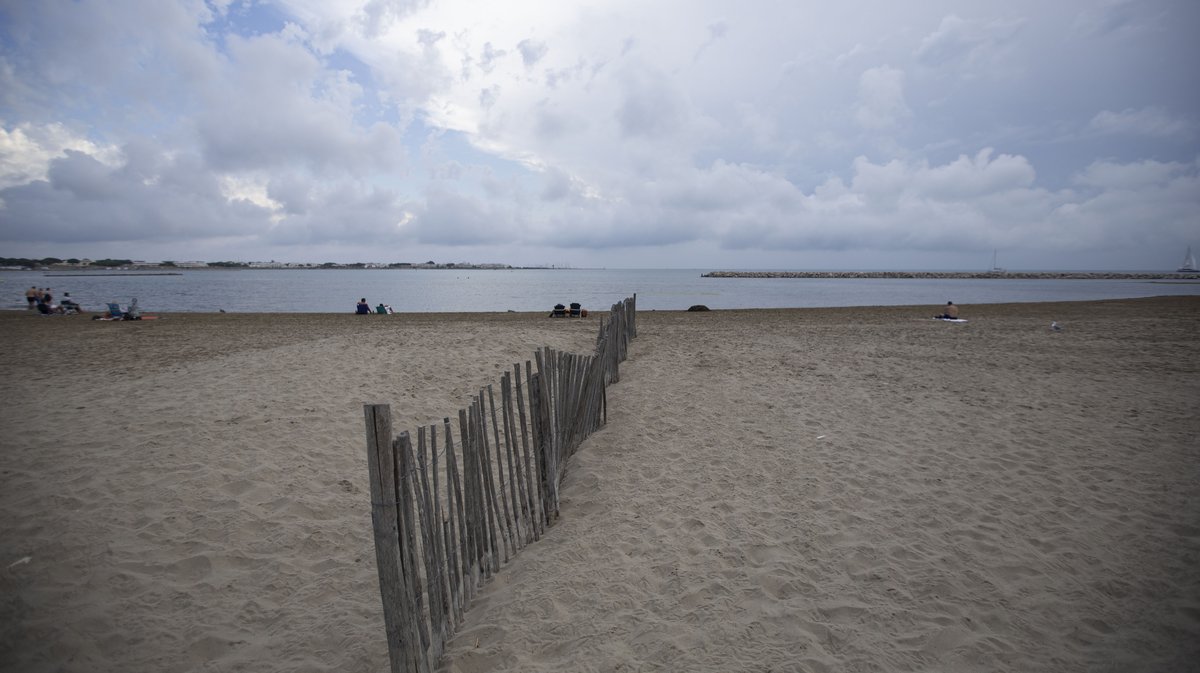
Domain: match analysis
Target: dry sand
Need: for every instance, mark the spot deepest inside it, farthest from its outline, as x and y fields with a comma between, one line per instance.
x=801, y=490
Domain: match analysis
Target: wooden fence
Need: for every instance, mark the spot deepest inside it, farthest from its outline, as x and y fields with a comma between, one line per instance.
x=449, y=513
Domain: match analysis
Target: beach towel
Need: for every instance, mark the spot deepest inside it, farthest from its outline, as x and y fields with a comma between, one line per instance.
x=951, y=319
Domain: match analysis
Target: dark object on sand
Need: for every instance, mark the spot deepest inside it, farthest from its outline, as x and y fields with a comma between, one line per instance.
x=698, y=307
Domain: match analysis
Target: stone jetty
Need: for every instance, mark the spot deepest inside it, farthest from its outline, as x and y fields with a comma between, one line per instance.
x=960, y=275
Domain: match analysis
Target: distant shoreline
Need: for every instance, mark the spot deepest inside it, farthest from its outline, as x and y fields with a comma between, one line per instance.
x=959, y=275
x=75, y=275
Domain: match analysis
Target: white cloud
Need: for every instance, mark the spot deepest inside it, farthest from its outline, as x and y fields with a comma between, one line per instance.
x=377, y=16
x=27, y=149
x=253, y=189
x=277, y=105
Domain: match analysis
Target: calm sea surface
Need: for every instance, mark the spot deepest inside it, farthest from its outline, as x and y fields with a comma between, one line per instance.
x=436, y=290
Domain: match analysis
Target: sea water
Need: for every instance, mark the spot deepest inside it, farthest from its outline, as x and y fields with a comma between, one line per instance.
x=475, y=290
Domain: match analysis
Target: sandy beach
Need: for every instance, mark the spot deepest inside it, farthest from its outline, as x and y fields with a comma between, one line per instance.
x=776, y=490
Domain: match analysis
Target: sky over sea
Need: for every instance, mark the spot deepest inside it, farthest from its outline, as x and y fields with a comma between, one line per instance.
x=889, y=134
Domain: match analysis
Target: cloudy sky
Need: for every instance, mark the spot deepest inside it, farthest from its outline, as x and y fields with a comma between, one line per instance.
x=675, y=133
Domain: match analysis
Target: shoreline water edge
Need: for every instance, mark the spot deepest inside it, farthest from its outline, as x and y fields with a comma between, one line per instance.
x=417, y=291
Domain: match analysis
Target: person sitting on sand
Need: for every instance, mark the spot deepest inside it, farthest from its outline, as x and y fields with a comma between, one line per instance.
x=950, y=314
x=70, y=304
x=134, y=312
x=363, y=308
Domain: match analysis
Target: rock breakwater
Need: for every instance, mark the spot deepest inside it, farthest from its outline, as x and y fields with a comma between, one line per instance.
x=962, y=275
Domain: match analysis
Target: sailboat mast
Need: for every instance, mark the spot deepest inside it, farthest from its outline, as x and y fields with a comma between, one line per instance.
x=1189, y=263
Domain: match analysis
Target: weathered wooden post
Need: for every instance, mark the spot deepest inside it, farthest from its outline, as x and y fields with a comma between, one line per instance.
x=458, y=538
x=430, y=536
x=385, y=518
x=406, y=492
x=531, y=484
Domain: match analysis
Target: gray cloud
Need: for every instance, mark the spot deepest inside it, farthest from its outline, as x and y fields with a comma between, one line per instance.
x=1124, y=15
x=532, y=51
x=557, y=186
x=454, y=219
x=881, y=99
x=716, y=31
x=650, y=105
x=345, y=212
x=959, y=41
x=86, y=201
x=490, y=56
x=1148, y=121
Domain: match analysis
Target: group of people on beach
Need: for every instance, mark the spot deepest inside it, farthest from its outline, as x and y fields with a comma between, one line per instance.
x=363, y=308
x=41, y=299
x=576, y=311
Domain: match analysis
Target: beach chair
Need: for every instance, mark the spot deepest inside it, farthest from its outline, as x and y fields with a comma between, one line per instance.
x=114, y=310
x=575, y=309
x=559, y=311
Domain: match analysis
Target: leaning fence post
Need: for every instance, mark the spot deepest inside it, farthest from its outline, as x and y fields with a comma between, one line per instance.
x=531, y=484
x=633, y=316
x=431, y=534
x=539, y=398
x=457, y=518
x=384, y=521
x=418, y=626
